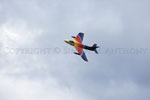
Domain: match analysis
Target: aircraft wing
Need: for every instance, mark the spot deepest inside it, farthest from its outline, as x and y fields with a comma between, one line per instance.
x=79, y=38
x=84, y=56
x=81, y=53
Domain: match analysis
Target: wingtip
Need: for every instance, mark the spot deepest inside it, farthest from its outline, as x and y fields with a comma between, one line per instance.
x=85, y=60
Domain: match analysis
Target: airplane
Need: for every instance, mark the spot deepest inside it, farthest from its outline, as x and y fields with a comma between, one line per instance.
x=77, y=43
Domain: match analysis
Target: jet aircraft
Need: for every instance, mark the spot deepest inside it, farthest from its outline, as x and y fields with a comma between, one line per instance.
x=77, y=43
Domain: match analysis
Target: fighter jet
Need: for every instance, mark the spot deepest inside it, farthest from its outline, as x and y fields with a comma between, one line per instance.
x=77, y=43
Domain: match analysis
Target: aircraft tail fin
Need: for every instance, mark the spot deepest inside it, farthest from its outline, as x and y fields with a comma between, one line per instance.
x=95, y=46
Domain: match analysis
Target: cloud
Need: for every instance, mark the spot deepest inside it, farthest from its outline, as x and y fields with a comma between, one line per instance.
x=60, y=75
x=23, y=88
x=15, y=33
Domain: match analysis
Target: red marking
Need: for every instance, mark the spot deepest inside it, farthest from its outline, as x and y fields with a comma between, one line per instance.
x=79, y=46
x=78, y=39
x=79, y=50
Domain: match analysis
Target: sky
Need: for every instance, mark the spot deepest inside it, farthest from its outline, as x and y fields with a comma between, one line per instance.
x=36, y=63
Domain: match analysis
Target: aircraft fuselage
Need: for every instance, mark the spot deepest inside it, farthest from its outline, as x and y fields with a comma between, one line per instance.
x=73, y=43
x=77, y=43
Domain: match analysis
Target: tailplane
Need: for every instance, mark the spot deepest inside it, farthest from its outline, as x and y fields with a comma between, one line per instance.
x=95, y=46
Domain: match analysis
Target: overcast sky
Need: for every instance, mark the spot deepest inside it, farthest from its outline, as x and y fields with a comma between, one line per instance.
x=36, y=64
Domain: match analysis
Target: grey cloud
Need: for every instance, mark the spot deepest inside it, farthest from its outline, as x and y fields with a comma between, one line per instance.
x=109, y=23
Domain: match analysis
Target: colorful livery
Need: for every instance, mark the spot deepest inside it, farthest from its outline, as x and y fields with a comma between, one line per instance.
x=77, y=43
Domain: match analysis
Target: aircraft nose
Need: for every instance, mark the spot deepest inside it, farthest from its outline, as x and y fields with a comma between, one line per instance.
x=66, y=41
